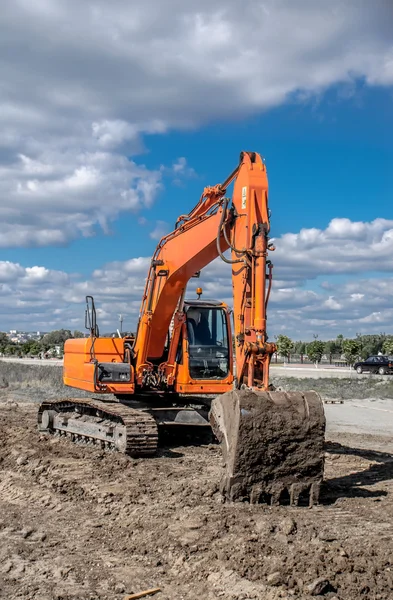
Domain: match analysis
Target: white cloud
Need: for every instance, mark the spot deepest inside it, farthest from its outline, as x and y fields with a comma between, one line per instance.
x=66, y=194
x=180, y=165
x=82, y=83
x=10, y=271
x=39, y=298
x=343, y=247
x=111, y=134
x=179, y=172
x=161, y=228
x=332, y=303
x=99, y=77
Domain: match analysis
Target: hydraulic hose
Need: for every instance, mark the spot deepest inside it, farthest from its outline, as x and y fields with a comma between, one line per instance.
x=224, y=258
x=230, y=243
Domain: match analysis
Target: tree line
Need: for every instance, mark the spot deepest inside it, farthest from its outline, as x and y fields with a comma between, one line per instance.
x=38, y=347
x=350, y=350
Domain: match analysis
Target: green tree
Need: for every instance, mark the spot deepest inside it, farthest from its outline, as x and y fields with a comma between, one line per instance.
x=78, y=334
x=57, y=337
x=368, y=347
x=25, y=348
x=315, y=351
x=370, y=344
x=4, y=342
x=284, y=345
x=339, y=342
x=388, y=346
x=11, y=349
x=351, y=350
x=30, y=348
x=300, y=347
x=331, y=347
x=35, y=349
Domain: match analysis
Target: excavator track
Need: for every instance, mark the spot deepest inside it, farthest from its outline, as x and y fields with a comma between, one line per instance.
x=110, y=425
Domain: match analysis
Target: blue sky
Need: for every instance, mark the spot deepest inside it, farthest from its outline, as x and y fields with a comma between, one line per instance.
x=327, y=158
x=101, y=154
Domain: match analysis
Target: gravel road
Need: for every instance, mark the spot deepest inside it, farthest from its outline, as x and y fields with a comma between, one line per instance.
x=369, y=416
x=321, y=372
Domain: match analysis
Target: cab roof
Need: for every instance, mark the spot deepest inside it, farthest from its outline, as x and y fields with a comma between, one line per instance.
x=202, y=303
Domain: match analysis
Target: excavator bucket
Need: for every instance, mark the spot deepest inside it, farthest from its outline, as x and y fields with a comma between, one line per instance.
x=272, y=444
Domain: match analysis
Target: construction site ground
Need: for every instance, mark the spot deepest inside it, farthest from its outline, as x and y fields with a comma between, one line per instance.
x=80, y=523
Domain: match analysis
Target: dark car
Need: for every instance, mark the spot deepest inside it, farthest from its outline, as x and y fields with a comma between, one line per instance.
x=375, y=364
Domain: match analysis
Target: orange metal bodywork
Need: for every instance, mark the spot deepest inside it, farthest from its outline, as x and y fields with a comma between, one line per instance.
x=78, y=369
x=205, y=233
x=183, y=253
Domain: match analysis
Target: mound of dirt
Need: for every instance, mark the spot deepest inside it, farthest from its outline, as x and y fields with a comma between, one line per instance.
x=80, y=523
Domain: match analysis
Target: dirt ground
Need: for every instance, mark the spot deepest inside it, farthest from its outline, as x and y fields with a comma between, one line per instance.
x=79, y=523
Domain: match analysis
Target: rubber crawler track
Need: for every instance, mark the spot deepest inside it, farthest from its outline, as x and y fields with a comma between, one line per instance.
x=141, y=428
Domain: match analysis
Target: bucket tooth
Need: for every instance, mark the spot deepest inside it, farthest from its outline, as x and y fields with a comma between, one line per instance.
x=272, y=444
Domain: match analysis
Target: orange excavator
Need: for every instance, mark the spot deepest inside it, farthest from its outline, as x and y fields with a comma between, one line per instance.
x=179, y=369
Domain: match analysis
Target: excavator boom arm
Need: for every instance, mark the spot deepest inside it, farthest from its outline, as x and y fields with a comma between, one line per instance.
x=210, y=229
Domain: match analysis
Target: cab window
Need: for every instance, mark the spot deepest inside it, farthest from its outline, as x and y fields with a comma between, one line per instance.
x=207, y=343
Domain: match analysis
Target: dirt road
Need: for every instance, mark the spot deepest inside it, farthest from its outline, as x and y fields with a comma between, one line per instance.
x=78, y=523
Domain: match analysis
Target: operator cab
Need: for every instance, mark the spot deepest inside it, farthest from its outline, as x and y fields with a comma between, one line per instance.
x=208, y=334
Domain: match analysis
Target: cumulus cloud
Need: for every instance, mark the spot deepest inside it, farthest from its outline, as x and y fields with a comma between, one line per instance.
x=154, y=63
x=63, y=194
x=81, y=84
x=113, y=133
x=344, y=247
x=40, y=298
x=99, y=77
x=161, y=228
x=182, y=171
x=179, y=172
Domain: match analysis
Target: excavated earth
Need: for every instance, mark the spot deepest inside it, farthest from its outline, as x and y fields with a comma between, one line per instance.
x=80, y=523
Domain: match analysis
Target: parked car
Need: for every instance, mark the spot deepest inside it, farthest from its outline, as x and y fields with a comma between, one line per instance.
x=375, y=364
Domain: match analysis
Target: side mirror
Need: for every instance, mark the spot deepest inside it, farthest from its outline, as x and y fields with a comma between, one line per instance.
x=91, y=317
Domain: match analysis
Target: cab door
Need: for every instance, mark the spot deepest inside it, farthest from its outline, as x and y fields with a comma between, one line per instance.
x=207, y=357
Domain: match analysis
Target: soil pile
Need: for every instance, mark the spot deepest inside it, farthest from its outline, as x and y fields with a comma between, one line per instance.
x=80, y=523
